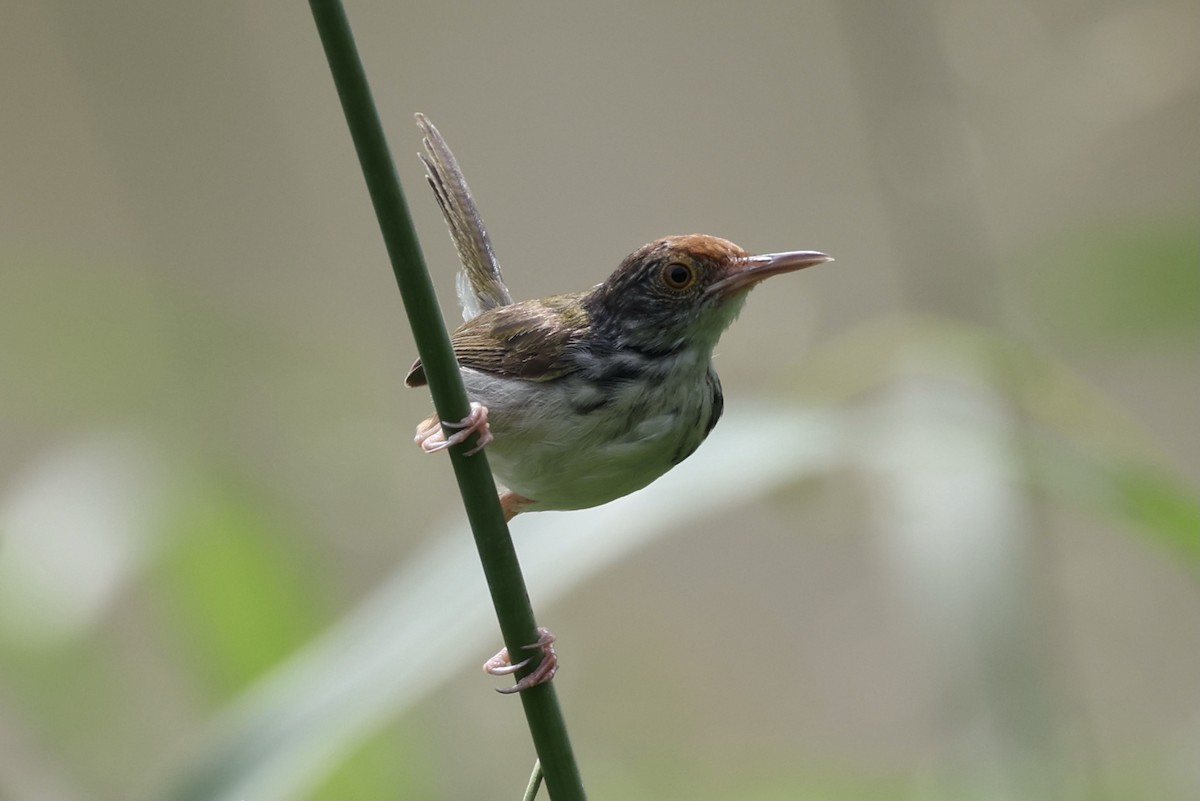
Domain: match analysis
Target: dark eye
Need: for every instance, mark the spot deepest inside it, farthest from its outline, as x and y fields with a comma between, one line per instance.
x=677, y=275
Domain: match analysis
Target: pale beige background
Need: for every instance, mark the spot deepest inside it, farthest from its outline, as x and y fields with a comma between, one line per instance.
x=189, y=254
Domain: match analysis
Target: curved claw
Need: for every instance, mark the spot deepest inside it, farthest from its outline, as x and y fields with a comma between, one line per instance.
x=431, y=437
x=501, y=665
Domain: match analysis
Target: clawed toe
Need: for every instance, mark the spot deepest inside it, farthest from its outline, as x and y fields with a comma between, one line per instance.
x=432, y=438
x=501, y=665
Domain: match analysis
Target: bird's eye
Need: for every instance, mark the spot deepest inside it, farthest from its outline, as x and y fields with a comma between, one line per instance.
x=678, y=276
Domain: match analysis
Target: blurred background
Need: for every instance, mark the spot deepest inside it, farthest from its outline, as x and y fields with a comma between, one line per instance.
x=946, y=543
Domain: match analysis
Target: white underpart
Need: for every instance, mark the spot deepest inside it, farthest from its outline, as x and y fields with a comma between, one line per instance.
x=548, y=452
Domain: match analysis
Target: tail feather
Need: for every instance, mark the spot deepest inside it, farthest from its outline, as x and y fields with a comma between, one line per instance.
x=480, y=284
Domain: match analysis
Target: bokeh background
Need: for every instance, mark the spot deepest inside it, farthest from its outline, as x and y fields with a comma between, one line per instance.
x=946, y=543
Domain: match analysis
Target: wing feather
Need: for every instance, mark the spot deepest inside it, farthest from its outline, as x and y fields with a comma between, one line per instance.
x=533, y=340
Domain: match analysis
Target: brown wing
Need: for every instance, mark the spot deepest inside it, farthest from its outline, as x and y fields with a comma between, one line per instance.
x=529, y=340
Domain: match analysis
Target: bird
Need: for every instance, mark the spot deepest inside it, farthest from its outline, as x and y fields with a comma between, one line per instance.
x=585, y=397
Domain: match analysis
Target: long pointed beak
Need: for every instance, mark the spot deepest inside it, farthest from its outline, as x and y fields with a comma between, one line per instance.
x=749, y=270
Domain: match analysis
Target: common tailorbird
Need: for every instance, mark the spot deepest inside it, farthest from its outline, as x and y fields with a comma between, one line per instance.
x=585, y=397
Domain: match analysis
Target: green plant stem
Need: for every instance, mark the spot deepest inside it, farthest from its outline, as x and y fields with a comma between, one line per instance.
x=535, y=782
x=496, y=552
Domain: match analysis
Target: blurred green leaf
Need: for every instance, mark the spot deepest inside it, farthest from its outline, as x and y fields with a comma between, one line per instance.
x=299, y=721
x=1088, y=448
x=1161, y=506
x=1125, y=284
x=236, y=586
x=1149, y=499
x=374, y=771
x=290, y=731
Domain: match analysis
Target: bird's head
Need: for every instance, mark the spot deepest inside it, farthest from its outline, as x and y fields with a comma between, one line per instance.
x=683, y=290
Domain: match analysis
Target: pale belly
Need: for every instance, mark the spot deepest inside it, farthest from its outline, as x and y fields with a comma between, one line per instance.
x=559, y=446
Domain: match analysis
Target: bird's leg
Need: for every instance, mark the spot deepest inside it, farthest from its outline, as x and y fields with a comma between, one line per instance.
x=431, y=438
x=511, y=503
x=501, y=664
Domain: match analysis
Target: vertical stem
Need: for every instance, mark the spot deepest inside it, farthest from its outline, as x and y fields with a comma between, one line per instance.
x=497, y=555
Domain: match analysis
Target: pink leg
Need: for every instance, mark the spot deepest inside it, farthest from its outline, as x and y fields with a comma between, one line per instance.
x=511, y=503
x=501, y=665
x=431, y=438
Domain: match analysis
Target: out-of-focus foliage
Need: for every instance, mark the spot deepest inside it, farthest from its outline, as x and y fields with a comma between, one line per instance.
x=1125, y=285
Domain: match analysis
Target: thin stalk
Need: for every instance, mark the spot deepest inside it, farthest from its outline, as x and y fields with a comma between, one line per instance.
x=496, y=552
x=535, y=782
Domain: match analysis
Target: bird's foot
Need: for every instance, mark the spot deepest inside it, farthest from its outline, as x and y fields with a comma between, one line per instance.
x=431, y=437
x=501, y=664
